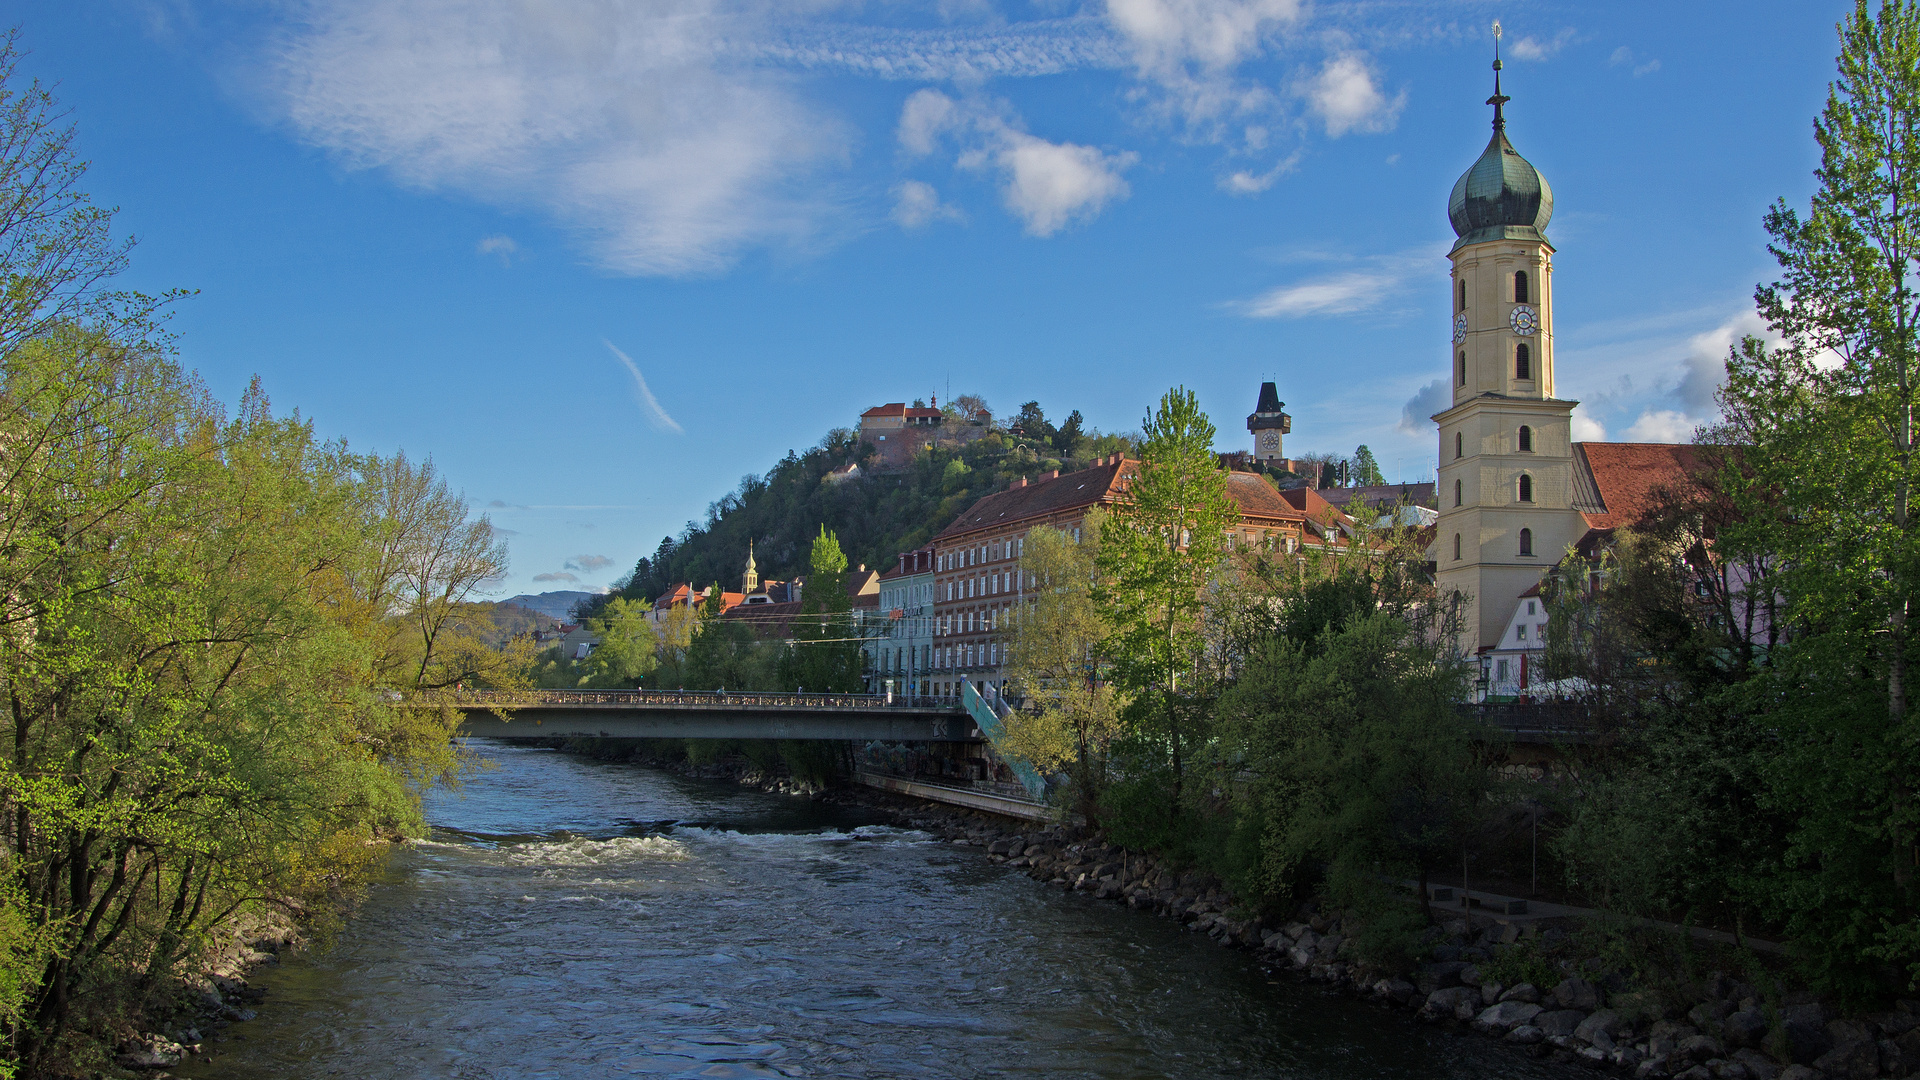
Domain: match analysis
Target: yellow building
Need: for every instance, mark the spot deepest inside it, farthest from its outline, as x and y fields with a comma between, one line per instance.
x=1506, y=462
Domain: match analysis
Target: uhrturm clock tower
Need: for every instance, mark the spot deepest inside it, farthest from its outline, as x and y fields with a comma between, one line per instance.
x=1506, y=449
x=1267, y=424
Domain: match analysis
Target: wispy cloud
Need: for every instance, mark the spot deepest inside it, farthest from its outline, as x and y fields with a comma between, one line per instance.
x=649, y=404
x=499, y=245
x=1624, y=57
x=556, y=575
x=1375, y=282
x=1416, y=416
x=1346, y=95
x=588, y=564
x=916, y=205
x=1537, y=49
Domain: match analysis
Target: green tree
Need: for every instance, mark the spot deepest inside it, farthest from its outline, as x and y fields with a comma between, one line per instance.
x=826, y=654
x=1069, y=712
x=1824, y=483
x=1366, y=471
x=1156, y=561
x=626, y=649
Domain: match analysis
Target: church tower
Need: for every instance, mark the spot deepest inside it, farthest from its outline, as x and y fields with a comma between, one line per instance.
x=751, y=579
x=1506, y=443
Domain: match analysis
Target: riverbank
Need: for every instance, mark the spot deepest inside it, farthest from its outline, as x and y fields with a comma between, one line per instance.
x=1638, y=1001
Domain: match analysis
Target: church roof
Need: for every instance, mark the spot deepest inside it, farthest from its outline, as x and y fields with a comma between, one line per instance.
x=1618, y=484
x=1502, y=196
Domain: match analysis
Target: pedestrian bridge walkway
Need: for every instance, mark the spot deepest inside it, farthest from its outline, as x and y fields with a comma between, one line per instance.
x=683, y=714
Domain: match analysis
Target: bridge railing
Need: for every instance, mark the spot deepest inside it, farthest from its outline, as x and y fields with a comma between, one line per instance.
x=729, y=699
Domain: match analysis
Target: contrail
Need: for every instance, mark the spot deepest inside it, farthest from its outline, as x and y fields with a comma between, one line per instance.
x=644, y=396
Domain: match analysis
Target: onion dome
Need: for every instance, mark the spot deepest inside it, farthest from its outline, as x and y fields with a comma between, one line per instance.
x=1502, y=197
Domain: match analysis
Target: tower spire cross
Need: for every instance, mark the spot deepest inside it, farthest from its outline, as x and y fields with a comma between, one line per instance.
x=1498, y=99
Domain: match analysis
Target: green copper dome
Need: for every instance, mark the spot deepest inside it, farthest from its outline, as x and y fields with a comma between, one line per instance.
x=1502, y=197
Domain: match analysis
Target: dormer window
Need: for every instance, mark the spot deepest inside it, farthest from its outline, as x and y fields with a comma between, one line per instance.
x=1526, y=437
x=1526, y=488
x=1520, y=295
x=1522, y=362
x=1526, y=541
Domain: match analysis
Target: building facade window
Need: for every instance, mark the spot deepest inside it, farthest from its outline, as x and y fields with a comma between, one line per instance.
x=1526, y=488
x=1463, y=295
x=1460, y=370
x=1456, y=493
x=1526, y=541
x=1459, y=442
x=1522, y=362
x=1526, y=439
x=1520, y=287
x=1456, y=547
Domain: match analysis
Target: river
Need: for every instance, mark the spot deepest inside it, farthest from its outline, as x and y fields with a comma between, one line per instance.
x=571, y=918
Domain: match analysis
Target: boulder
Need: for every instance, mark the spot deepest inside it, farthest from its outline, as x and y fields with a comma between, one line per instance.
x=1522, y=992
x=1526, y=1035
x=1699, y=1048
x=1505, y=1016
x=1627, y=1058
x=1400, y=990
x=1577, y=993
x=1490, y=992
x=1748, y=1027
x=1651, y=1069
x=1470, y=975
x=1758, y=1065
x=1605, y=1022
x=1894, y=1024
x=1798, y=1072
x=1451, y=1002
x=1695, y=1072
x=1707, y=1015
x=1855, y=1060
x=1805, y=1027
x=147, y=1059
x=1439, y=976
x=1560, y=1021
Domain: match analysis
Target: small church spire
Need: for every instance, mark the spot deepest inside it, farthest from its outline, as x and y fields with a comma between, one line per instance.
x=752, y=578
x=1498, y=99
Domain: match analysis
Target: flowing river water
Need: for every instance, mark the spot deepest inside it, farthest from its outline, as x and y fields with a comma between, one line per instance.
x=571, y=918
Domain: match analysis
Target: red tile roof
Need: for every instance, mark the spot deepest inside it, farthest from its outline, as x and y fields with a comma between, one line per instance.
x=1102, y=485
x=900, y=409
x=1619, y=484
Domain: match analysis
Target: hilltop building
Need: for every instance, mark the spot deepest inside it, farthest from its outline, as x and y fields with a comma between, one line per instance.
x=1267, y=424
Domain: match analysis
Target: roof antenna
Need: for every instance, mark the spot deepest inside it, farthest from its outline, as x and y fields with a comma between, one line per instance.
x=1498, y=99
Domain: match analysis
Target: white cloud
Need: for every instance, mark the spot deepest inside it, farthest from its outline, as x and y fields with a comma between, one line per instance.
x=1341, y=292
x=1705, y=364
x=498, y=244
x=1047, y=185
x=1347, y=98
x=916, y=205
x=1662, y=425
x=1246, y=182
x=1186, y=53
x=588, y=564
x=656, y=416
x=1624, y=57
x=1416, y=416
x=1586, y=428
x=557, y=576
x=621, y=121
x=1336, y=294
x=1532, y=48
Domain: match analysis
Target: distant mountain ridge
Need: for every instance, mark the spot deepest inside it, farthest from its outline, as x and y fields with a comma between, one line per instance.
x=554, y=605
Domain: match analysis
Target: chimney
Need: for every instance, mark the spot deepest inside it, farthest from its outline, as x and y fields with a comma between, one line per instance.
x=863, y=568
x=1053, y=474
x=1020, y=483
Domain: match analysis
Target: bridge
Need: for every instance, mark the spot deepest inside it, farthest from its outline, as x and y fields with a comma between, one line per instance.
x=683, y=714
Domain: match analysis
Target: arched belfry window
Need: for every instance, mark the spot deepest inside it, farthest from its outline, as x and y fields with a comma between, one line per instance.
x=1526, y=439
x=1456, y=493
x=1522, y=362
x=1526, y=488
x=1520, y=287
x=1526, y=541
x=1460, y=369
x=1456, y=547
x=1463, y=294
x=1459, y=441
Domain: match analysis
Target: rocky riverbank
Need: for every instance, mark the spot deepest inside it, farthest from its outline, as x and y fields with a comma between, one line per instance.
x=1717, y=1028
x=1576, y=1009
x=205, y=1003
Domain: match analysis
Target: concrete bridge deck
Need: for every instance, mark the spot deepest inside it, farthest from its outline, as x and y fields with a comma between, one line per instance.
x=684, y=714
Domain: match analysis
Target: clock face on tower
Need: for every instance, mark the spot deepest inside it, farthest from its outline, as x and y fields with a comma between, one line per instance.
x=1269, y=441
x=1524, y=320
x=1459, y=328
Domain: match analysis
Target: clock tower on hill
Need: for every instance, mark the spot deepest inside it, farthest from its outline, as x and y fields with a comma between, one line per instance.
x=1506, y=444
x=1267, y=424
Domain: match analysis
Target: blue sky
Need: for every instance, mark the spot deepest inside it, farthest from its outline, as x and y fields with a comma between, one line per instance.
x=601, y=259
